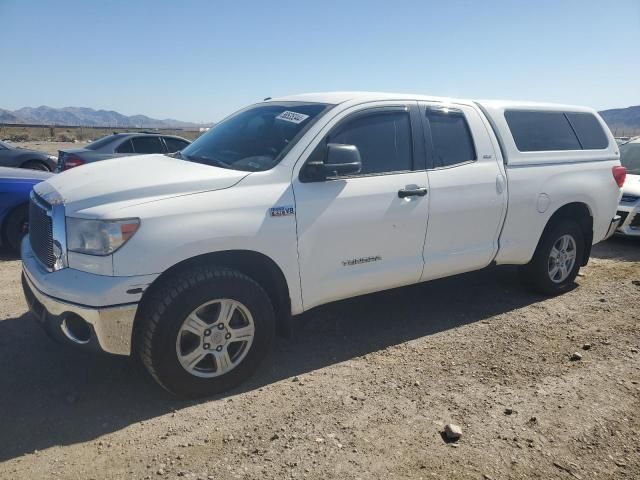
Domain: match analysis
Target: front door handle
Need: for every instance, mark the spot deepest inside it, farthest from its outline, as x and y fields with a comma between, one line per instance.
x=412, y=192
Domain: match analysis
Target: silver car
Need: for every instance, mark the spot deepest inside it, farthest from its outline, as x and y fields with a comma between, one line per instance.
x=629, y=208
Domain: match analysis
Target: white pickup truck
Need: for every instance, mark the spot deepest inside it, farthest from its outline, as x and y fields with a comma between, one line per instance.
x=194, y=260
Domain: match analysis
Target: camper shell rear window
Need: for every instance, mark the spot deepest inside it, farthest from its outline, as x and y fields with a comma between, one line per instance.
x=541, y=131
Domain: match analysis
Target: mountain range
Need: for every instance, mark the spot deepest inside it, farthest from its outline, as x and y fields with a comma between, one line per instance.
x=620, y=120
x=623, y=120
x=86, y=117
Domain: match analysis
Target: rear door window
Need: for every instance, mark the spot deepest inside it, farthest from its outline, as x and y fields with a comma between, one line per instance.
x=125, y=147
x=147, y=145
x=541, y=131
x=450, y=136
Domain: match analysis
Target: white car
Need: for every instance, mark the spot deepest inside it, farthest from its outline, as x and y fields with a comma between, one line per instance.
x=193, y=261
x=629, y=208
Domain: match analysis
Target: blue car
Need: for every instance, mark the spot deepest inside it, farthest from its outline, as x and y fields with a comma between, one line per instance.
x=15, y=187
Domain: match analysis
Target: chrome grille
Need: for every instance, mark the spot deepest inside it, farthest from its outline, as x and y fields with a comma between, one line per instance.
x=41, y=230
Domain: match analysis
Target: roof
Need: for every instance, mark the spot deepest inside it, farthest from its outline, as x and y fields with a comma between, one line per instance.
x=525, y=105
x=341, y=97
x=122, y=134
x=143, y=133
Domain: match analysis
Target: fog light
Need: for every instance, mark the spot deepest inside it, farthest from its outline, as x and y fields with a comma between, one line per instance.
x=76, y=329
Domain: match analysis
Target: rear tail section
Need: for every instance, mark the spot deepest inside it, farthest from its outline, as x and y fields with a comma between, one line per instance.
x=67, y=160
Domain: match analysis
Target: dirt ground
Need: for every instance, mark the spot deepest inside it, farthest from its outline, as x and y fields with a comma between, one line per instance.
x=362, y=390
x=50, y=147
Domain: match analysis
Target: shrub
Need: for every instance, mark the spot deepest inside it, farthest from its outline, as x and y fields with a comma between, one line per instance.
x=65, y=137
x=19, y=137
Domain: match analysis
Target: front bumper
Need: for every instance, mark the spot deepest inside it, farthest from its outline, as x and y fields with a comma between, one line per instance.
x=107, y=305
x=613, y=226
x=630, y=224
x=109, y=328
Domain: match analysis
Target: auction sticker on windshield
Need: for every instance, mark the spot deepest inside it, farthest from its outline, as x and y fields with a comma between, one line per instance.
x=292, y=117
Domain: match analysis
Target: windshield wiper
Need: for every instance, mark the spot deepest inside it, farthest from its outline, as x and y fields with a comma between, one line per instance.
x=207, y=160
x=175, y=155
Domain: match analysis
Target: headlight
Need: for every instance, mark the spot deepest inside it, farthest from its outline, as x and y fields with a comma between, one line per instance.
x=99, y=237
x=52, y=157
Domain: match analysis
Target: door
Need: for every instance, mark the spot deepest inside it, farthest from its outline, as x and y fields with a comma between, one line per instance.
x=364, y=232
x=467, y=191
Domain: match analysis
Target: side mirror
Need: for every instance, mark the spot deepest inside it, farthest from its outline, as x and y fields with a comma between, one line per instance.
x=342, y=160
x=339, y=160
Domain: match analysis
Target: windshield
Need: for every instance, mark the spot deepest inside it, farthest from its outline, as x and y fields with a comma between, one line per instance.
x=256, y=138
x=101, y=142
x=630, y=157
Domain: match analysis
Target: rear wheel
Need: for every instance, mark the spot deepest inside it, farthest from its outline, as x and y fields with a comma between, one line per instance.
x=556, y=262
x=15, y=228
x=35, y=165
x=206, y=330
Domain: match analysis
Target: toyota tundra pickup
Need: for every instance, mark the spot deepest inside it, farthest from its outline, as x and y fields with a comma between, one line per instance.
x=192, y=261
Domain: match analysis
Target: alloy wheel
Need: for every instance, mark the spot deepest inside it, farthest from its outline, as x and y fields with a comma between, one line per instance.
x=215, y=338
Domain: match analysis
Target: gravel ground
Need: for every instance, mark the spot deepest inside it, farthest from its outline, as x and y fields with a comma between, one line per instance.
x=362, y=390
x=50, y=147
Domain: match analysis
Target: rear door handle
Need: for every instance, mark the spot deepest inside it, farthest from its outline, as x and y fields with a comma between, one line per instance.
x=412, y=192
x=500, y=183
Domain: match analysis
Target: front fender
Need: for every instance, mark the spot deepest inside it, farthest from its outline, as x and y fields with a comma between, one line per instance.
x=238, y=218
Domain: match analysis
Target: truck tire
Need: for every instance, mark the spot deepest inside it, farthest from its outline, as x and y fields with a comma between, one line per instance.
x=15, y=228
x=556, y=261
x=205, y=331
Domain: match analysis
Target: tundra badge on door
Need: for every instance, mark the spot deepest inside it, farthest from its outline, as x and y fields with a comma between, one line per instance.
x=282, y=211
x=358, y=261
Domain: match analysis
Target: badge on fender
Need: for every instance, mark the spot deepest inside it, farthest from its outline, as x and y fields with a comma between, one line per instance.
x=282, y=211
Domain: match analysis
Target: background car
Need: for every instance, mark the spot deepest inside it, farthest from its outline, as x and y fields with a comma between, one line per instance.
x=15, y=186
x=120, y=145
x=629, y=208
x=12, y=156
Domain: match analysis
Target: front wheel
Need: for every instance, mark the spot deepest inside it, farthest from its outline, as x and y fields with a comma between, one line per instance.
x=556, y=262
x=206, y=331
x=15, y=228
x=36, y=165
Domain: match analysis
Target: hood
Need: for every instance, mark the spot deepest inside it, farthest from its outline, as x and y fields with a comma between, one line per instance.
x=32, y=151
x=102, y=187
x=631, y=185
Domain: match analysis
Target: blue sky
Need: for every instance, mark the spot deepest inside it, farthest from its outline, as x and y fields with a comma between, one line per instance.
x=199, y=60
